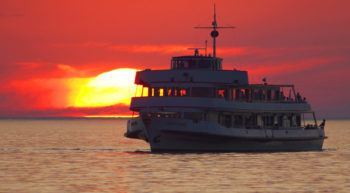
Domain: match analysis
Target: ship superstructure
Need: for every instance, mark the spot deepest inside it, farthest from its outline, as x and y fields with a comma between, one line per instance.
x=198, y=106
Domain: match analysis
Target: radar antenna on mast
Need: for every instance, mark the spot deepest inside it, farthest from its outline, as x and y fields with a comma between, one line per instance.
x=214, y=34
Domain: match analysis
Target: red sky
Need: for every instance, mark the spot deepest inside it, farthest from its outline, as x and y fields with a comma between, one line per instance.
x=49, y=49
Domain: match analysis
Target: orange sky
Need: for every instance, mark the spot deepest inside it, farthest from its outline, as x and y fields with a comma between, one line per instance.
x=49, y=50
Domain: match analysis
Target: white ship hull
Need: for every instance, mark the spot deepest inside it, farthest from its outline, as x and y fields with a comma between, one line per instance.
x=186, y=135
x=196, y=105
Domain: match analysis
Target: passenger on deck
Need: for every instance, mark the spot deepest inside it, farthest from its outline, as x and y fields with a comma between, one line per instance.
x=323, y=124
x=299, y=99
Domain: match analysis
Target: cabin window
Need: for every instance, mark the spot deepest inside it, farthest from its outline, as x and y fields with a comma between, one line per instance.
x=241, y=94
x=180, y=65
x=169, y=92
x=184, y=92
x=168, y=115
x=176, y=115
x=280, y=120
x=192, y=64
x=161, y=92
x=202, y=92
x=294, y=121
x=145, y=92
x=186, y=64
x=213, y=117
x=205, y=116
x=234, y=94
x=195, y=116
x=221, y=93
x=227, y=121
x=255, y=94
x=298, y=120
x=238, y=120
x=204, y=64
x=286, y=121
x=251, y=121
x=173, y=92
x=269, y=94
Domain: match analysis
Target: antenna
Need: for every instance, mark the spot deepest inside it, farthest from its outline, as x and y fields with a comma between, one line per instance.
x=206, y=46
x=214, y=34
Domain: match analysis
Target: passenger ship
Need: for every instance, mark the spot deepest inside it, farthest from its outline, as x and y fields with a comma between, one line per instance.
x=198, y=106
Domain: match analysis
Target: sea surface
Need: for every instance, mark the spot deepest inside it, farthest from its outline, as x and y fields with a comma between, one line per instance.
x=91, y=155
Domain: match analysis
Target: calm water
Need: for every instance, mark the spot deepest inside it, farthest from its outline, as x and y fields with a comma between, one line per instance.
x=91, y=155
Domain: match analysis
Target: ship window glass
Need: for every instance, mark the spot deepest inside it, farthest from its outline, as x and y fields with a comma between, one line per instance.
x=147, y=115
x=192, y=64
x=170, y=92
x=181, y=64
x=145, y=92
x=161, y=92
x=269, y=94
x=184, y=92
x=251, y=121
x=286, y=121
x=290, y=118
x=255, y=94
x=186, y=64
x=175, y=92
x=204, y=64
x=221, y=93
x=247, y=94
x=202, y=92
x=212, y=117
x=193, y=116
x=153, y=91
x=227, y=120
x=268, y=120
x=176, y=115
x=277, y=94
x=234, y=94
x=238, y=120
x=280, y=120
x=298, y=120
x=238, y=94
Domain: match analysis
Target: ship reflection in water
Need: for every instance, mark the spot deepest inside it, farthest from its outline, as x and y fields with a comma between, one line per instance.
x=91, y=155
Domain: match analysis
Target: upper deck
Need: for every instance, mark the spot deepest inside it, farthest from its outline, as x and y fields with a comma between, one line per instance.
x=147, y=77
x=193, y=69
x=196, y=62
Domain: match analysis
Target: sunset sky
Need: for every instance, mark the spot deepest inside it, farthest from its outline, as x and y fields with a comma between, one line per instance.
x=54, y=54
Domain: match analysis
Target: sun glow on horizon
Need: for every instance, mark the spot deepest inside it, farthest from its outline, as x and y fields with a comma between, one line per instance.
x=109, y=88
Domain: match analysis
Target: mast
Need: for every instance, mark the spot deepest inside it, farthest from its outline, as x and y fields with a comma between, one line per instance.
x=214, y=34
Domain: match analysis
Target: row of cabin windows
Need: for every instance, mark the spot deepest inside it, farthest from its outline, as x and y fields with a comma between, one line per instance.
x=236, y=94
x=256, y=121
x=237, y=120
x=195, y=64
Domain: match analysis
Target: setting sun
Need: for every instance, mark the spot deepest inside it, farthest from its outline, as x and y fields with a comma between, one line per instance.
x=109, y=88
